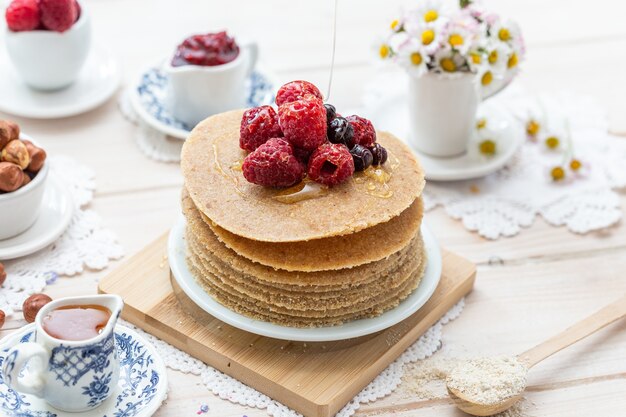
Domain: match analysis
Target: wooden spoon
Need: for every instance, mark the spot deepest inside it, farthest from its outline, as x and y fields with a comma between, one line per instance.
x=530, y=358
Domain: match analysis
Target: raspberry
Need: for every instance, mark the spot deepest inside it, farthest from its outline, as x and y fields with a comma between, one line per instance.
x=258, y=125
x=303, y=123
x=364, y=132
x=331, y=164
x=296, y=90
x=58, y=15
x=22, y=15
x=273, y=164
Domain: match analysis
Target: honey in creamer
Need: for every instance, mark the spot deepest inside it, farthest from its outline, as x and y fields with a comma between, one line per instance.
x=76, y=322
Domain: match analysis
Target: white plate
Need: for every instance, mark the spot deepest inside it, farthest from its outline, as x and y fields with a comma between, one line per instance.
x=177, y=249
x=148, y=94
x=141, y=389
x=392, y=115
x=56, y=213
x=97, y=81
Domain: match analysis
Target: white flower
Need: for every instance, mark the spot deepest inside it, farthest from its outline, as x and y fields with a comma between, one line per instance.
x=413, y=58
x=448, y=61
x=497, y=57
x=476, y=58
x=431, y=11
x=487, y=140
x=430, y=36
x=488, y=80
x=506, y=31
x=461, y=35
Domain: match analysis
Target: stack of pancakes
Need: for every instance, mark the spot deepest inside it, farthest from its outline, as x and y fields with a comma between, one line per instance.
x=323, y=258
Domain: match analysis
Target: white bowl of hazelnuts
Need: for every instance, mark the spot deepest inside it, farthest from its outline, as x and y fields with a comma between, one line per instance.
x=23, y=177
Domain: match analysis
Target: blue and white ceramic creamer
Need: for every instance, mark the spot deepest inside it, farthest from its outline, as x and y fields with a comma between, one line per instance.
x=72, y=376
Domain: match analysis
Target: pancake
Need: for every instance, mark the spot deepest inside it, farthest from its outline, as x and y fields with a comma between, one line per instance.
x=256, y=310
x=347, y=251
x=303, y=299
x=211, y=161
x=243, y=266
x=313, y=291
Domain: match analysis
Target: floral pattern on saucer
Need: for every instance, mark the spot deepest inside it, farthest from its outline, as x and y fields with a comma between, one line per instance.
x=141, y=388
x=152, y=89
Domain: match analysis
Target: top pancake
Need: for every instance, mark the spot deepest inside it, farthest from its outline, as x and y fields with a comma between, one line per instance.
x=211, y=161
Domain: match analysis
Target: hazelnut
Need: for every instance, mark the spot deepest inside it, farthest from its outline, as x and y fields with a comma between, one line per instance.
x=3, y=318
x=8, y=131
x=25, y=179
x=16, y=152
x=33, y=304
x=37, y=156
x=3, y=274
x=11, y=177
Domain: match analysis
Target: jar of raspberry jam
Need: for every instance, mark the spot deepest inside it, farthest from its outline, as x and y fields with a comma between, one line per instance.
x=210, y=49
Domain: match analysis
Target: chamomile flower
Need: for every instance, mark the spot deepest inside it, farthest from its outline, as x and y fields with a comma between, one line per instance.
x=429, y=36
x=413, y=58
x=448, y=61
x=506, y=31
x=459, y=36
x=487, y=141
x=476, y=58
x=497, y=57
x=488, y=80
x=431, y=11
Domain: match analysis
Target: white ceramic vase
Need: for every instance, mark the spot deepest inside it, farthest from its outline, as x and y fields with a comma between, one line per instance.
x=443, y=112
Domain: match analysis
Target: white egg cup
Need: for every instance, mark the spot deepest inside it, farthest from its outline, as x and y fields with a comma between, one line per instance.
x=48, y=60
x=21, y=207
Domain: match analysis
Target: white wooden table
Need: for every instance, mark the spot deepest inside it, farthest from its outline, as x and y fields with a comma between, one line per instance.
x=549, y=277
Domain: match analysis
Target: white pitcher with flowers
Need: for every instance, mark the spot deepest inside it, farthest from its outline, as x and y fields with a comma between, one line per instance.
x=456, y=54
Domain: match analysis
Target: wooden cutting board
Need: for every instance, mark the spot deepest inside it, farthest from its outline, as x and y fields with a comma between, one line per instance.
x=316, y=379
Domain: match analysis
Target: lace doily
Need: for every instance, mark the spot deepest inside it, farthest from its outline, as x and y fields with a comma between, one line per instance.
x=230, y=389
x=503, y=203
x=85, y=244
x=155, y=144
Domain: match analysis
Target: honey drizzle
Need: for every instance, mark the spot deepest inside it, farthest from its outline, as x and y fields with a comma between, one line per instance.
x=375, y=180
x=304, y=190
x=236, y=166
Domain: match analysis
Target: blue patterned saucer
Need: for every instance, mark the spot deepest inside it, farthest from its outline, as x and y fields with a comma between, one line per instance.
x=147, y=98
x=141, y=389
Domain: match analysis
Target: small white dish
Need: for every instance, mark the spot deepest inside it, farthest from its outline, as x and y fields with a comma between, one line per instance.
x=148, y=97
x=141, y=388
x=177, y=249
x=96, y=83
x=21, y=208
x=49, y=60
x=57, y=209
x=392, y=115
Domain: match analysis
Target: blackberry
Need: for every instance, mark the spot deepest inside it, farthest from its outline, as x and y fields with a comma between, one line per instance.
x=379, y=153
x=362, y=157
x=331, y=112
x=340, y=131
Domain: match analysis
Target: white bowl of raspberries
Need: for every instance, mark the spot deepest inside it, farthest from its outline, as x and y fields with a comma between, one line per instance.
x=305, y=138
x=48, y=41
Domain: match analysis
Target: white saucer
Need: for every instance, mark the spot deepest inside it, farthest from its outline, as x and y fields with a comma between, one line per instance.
x=392, y=115
x=56, y=214
x=141, y=388
x=97, y=81
x=177, y=248
x=147, y=97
